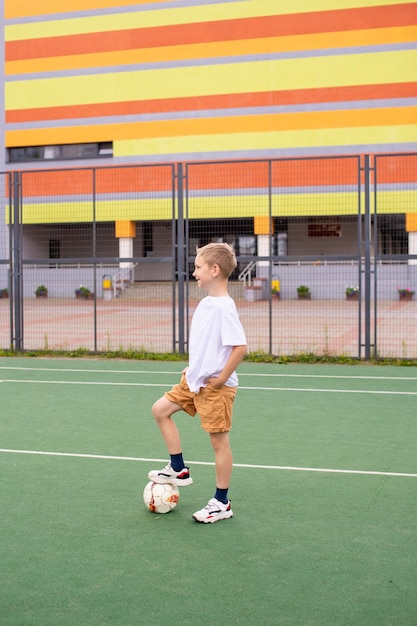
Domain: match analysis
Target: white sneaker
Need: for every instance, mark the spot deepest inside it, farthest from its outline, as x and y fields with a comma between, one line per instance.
x=214, y=511
x=168, y=475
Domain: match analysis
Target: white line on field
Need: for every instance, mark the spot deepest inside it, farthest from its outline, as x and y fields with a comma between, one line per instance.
x=297, y=389
x=241, y=465
x=157, y=373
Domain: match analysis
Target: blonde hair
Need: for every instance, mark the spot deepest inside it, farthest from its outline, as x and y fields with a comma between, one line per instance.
x=220, y=254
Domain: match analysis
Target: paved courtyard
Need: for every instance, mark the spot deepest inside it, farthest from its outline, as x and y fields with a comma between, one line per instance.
x=142, y=318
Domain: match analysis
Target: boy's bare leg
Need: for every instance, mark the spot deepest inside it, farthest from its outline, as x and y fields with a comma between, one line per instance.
x=217, y=508
x=175, y=472
x=162, y=411
x=223, y=458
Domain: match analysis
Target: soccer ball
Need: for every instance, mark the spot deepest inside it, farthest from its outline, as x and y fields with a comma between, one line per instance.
x=161, y=498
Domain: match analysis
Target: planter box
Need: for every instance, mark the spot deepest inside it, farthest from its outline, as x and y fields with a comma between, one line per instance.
x=80, y=296
x=252, y=294
x=405, y=297
x=354, y=297
x=304, y=296
x=263, y=284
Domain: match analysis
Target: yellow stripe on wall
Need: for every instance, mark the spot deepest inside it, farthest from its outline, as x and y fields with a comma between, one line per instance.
x=306, y=73
x=397, y=201
x=283, y=204
x=219, y=132
x=170, y=16
x=365, y=37
x=293, y=205
x=106, y=211
x=25, y=8
x=222, y=206
x=268, y=141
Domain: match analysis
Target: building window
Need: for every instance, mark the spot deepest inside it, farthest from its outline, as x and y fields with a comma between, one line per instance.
x=324, y=227
x=61, y=152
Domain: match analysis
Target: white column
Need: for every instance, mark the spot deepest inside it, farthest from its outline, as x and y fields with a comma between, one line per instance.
x=126, y=250
x=264, y=243
x=262, y=267
x=412, y=247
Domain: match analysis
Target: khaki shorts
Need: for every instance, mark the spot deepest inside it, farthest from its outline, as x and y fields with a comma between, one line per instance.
x=214, y=406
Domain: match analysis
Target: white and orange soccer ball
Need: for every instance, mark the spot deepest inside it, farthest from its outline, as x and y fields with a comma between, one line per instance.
x=160, y=498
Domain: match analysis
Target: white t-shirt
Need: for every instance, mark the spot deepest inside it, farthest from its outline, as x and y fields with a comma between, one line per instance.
x=215, y=330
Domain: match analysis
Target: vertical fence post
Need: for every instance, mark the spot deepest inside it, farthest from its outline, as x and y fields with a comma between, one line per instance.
x=376, y=252
x=359, y=230
x=271, y=254
x=367, y=255
x=93, y=173
x=174, y=256
x=10, y=258
x=180, y=260
x=17, y=339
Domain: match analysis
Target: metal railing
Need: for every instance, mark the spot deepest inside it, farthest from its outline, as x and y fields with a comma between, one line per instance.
x=154, y=315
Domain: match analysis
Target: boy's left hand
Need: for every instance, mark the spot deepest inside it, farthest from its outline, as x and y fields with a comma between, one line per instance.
x=216, y=383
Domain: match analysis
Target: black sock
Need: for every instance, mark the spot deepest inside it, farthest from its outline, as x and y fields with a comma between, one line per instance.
x=177, y=462
x=221, y=495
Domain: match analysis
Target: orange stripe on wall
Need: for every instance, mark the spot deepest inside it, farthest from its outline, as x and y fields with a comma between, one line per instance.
x=395, y=170
x=26, y=8
x=204, y=32
x=284, y=173
x=211, y=126
x=227, y=101
x=250, y=174
x=266, y=45
x=107, y=180
x=246, y=174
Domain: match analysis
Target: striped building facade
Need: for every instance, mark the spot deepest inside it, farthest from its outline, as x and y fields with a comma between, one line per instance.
x=123, y=82
x=170, y=80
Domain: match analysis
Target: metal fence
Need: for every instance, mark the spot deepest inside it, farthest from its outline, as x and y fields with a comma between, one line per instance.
x=129, y=234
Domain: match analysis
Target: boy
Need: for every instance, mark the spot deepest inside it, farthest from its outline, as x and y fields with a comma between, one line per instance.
x=208, y=385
